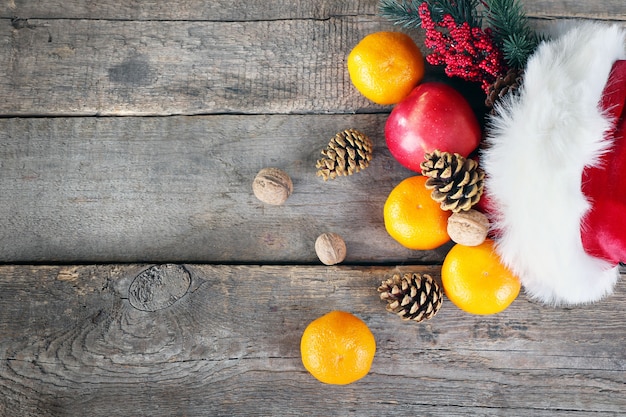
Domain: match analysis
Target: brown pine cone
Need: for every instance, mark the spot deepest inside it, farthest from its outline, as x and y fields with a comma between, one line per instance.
x=504, y=85
x=457, y=182
x=412, y=296
x=348, y=152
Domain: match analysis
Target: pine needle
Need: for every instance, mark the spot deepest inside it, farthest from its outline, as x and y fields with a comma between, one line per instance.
x=460, y=10
x=402, y=13
x=511, y=30
x=405, y=12
x=517, y=49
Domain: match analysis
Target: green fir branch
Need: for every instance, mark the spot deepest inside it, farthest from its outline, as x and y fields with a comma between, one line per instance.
x=401, y=12
x=518, y=48
x=460, y=10
x=504, y=17
x=511, y=30
x=405, y=12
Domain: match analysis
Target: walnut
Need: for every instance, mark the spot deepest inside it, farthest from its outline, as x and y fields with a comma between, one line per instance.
x=330, y=248
x=272, y=186
x=468, y=228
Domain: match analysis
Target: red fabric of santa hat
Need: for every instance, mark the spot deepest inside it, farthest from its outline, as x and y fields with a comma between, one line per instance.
x=563, y=237
x=603, y=228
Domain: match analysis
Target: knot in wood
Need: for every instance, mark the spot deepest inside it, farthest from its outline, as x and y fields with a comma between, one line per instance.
x=159, y=287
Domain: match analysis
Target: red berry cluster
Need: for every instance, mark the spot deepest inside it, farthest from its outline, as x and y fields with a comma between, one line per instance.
x=467, y=52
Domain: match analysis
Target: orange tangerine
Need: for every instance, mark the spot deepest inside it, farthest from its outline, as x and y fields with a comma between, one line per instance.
x=476, y=281
x=337, y=348
x=385, y=66
x=413, y=218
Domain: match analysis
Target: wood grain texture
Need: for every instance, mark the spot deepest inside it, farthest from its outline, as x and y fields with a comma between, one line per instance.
x=161, y=68
x=191, y=10
x=611, y=10
x=156, y=67
x=235, y=86
x=223, y=10
x=180, y=189
x=74, y=345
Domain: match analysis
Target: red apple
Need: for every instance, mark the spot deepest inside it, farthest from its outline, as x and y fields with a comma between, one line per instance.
x=433, y=116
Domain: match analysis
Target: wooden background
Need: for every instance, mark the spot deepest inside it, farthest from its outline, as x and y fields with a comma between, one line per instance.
x=130, y=133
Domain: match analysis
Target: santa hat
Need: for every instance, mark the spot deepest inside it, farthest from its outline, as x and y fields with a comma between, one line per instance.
x=555, y=163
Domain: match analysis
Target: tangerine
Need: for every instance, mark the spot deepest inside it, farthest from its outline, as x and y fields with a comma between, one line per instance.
x=413, y=218
x=476, y=281
x=337, y=348
x=385, y=66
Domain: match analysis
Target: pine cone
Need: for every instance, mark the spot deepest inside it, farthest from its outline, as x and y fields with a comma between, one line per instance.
x=503, y=85
x=457, y=182
x=348, y=152
x=412, y=296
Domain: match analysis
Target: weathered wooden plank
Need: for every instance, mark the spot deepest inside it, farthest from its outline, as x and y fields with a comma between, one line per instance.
x=179, y=189
x=611, y=10
x=105, y=67
x=162, y=68
x=73, y=344
x=222, y=10
x=193, y=10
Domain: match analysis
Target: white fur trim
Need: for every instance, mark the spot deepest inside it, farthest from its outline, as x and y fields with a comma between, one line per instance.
x=539, y=143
